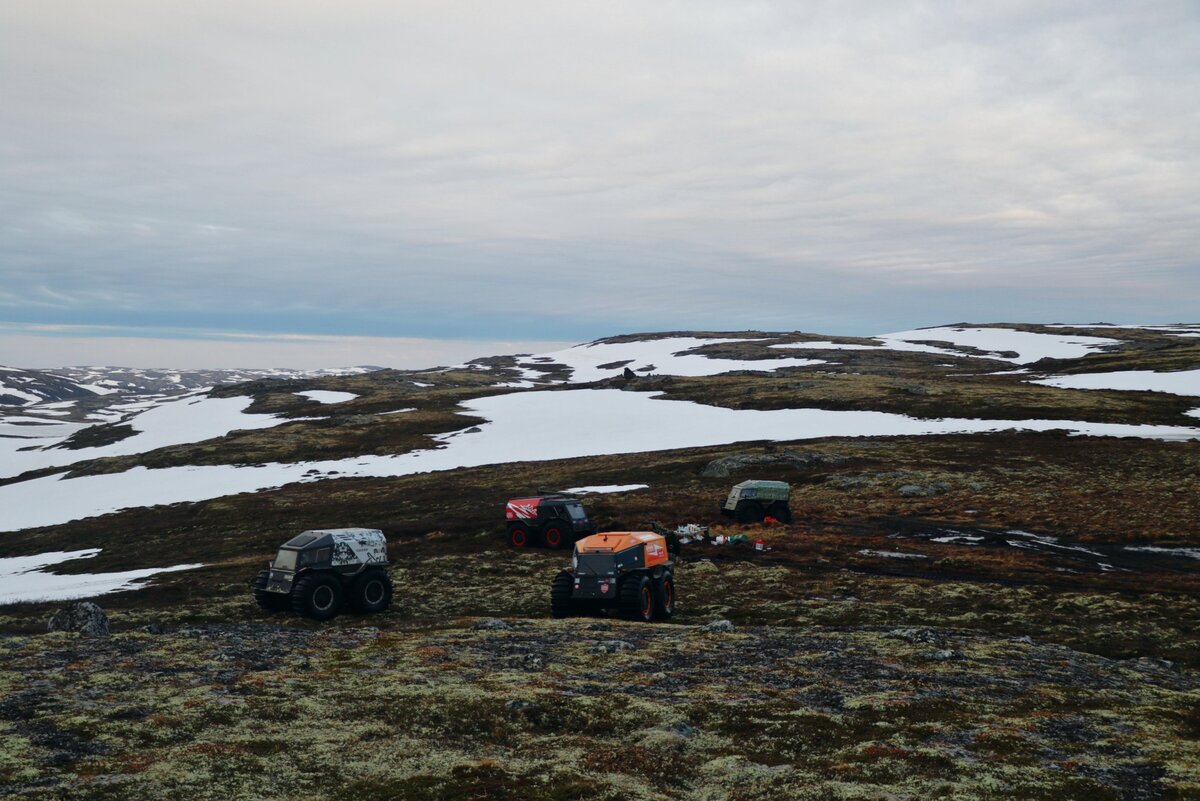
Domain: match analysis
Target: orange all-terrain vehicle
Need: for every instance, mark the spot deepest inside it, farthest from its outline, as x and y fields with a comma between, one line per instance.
x=630, y=572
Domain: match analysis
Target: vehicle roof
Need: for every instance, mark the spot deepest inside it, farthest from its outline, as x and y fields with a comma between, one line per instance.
x=536, y=499
x=759, y=483
x=318, y=537
x=616, y=541
x=343, y=531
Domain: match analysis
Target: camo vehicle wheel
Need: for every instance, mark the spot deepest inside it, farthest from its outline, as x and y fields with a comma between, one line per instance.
x=749, y=512
x=637, y=598
x=664, y=597
x=372, y=592
x=553, y=536
x=518, y=537
x=271, y=601
x=780, y=511
x=317, y=596
x=560, y=595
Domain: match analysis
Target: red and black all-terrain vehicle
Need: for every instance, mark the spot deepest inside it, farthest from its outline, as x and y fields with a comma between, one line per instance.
x=555, y=521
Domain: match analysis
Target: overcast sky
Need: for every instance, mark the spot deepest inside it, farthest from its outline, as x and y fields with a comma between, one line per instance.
x=558, y=171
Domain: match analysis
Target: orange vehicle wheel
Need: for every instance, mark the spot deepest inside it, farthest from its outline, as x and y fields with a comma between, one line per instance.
x=637, y=598
x=664, y=605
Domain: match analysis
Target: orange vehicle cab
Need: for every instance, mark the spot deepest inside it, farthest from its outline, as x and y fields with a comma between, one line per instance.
x=627, y=571
x=645, y=548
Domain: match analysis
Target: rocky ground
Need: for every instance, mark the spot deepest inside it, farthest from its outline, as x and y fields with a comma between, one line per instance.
x=533, y=709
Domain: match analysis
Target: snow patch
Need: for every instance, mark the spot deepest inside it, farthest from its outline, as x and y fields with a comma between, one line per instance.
x=827, y=345
x=654, y=356
x=1028, y=346
x=1182, y=382
x=606, y=488
x=1187, y=553
x=328, y=396
x=892, y=554
x=99, y=390
x=23, y=578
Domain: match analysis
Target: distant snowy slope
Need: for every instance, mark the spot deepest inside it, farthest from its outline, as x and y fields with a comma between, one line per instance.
x=670, y=356
x=173, y=422
x=25, y=387
x=145, y=380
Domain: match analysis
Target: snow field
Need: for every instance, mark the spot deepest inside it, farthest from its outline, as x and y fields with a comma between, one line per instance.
x=590, y=422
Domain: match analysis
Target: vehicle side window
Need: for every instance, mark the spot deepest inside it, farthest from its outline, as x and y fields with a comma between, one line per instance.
x=315, y=557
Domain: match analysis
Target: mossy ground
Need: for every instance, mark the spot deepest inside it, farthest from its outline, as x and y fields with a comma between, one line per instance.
x=967, y=671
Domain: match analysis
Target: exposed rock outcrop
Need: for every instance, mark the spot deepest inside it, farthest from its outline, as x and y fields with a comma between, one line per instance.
x=81, y=616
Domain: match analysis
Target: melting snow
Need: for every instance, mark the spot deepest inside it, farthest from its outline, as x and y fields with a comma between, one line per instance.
x=605, y=489
x=958, y=538
x=328, y=396
x=1028, y=346
x=22, y=578
x=188, y=419
x=827, y=345
x=586, y=422
x=1183, y=382
x=655, y=356
x=1188, y=553
x=892, y=554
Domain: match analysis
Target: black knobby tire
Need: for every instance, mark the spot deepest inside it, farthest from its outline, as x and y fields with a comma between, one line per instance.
x=560, y=595
x=518, y=537
x=636, y=598
x=372, y=592
x=664, y=596
x=749, y=512
x=780, y=511
x=271, y=601
x=554, y=536
x=318, y=596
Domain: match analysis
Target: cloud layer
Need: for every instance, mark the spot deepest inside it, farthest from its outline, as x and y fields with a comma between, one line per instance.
x=549, y=170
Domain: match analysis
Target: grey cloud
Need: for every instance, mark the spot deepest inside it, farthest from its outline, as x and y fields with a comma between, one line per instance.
x=626, y=159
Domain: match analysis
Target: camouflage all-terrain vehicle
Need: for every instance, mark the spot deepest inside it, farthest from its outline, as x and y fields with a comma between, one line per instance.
x=629, y=572
x=752, y=501
x=317, y=573
x=555, y=521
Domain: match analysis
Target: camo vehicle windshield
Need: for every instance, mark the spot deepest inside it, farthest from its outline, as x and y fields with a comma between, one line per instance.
x=285, y=559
